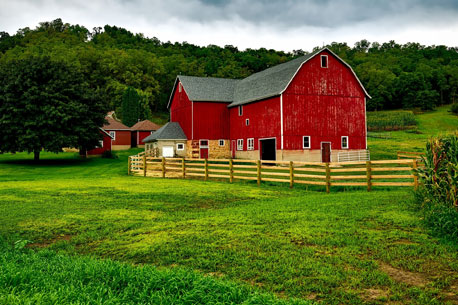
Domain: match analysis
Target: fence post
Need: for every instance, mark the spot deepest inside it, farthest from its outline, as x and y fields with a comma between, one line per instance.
x=129, y=164
x=415, y=174
x=258, y=171
x=163, y=167
x=206, y=169
x=183, y=167
x=291, y=174
x=231, y=171
x=144, y=166
x=328, y=178
x=369, y=175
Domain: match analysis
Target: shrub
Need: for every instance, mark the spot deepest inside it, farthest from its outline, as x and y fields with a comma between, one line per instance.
x=439, y=191
x=109, y=155
x=454, y=108
x=390, y=120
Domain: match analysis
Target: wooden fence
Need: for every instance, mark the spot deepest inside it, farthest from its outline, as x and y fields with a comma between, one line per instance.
x=410, y=155
x=362, y=173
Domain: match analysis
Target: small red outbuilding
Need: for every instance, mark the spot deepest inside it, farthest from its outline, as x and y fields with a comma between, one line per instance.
x=141, y=130
x=120, y=133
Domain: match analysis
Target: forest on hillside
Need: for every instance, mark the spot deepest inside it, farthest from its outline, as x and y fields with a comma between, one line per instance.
x=114, y=61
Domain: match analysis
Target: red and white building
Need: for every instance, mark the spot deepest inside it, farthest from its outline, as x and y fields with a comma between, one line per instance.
x=308, y=109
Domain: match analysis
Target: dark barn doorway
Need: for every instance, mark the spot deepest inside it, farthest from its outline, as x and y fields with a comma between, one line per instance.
x=268, y=149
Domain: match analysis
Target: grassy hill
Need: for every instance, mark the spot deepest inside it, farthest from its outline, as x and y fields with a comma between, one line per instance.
x=429, y=124
x=82, y=231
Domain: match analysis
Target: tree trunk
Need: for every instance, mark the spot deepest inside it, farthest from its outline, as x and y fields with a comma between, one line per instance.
x=36, y=155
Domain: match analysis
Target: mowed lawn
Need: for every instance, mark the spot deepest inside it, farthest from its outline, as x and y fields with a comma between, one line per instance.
x=239, y=242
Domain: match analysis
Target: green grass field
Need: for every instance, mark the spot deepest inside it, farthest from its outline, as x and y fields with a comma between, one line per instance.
x=433, y=123
x=83, y=232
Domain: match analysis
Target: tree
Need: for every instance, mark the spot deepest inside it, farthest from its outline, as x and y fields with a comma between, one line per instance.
x=130, y=107
x=46, y=104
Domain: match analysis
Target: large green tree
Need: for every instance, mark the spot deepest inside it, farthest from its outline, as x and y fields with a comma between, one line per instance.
x=47, y=104
x=130, y=107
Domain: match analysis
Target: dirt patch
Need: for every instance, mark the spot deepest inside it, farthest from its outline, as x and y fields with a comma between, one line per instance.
x=406, y=277
x=374, y=294
x=451, y=294
x=404, y=242
x=47, y=243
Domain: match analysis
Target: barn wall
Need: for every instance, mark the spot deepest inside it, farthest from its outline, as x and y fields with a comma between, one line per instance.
x=324, y=103
x=122, y=138
x=264, y=119
x=101, y=150
x=181, y=111
x=211, y=121
x=141, y=136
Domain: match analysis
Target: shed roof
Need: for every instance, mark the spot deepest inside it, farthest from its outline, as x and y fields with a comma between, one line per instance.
x=170, y=131
x=267, y=83
x=145, y=125
x=113, y=124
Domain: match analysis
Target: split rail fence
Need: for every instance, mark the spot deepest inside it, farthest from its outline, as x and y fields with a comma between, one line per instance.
x=362, y=173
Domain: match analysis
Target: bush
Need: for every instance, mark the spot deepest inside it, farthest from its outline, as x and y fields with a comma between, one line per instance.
x=454, y=108
x=390, y=120
x=109, y=155
x=438, y=193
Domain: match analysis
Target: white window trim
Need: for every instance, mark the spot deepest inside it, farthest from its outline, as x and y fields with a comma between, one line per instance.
x=178, y=146
x=204, y=146
x=341, y=141
x=310, y=142
x=180, y=87
x=250, y=141
x=219, y=142
x=247, y=122
x=113, y=135
x=239, y=144
x=321, y=61
x=100, y=143
x=240, y=110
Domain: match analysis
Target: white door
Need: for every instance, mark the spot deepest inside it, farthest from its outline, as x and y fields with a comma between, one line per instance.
x=167, y=151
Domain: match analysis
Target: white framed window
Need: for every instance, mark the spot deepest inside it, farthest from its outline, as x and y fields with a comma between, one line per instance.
x=239, y=144
x=306, y=143
x=324, y=61
x=180, y=87
x=101, y=143
x=152, y=132
x=247, y=122
x=250, y=144
x=344, y=141
x=221, y=142
x=240, y=110
x=180, y=146
x=113, y=135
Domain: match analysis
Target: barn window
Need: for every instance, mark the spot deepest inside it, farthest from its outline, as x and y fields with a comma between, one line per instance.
x=221, y=142
x=101, y=143
x=239, y=144
x=250, y=144
x=204, y=143
x=152, y=132
x=306, y=142
x=180, y=146
x=247, y=122
x=113, y=135
x=324, y=61
x=240, y=110
x=345, y=142
x=180, y=87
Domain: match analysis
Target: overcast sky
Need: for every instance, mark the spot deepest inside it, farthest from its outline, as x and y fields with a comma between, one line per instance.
x=278, y=24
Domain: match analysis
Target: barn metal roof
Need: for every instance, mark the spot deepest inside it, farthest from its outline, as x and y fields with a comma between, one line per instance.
x=170, y=131
x=267, y=83
x=208, y=89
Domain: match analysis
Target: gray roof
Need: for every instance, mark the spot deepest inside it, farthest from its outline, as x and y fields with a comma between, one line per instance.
x=267, y=83
x=208, y=89
x=170, y=131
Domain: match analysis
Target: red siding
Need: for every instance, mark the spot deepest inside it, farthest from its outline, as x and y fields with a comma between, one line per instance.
x=264, y=119
x=122, y=137
x=181, y=111
x=101, y=150
x=324, y=103
x=141, y=135
x=211, y=121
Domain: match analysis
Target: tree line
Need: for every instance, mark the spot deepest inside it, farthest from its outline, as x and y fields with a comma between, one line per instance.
x=113, y=59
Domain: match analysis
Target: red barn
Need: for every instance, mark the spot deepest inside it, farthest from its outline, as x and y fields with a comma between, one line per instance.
x=141, y=130
x=120, y=133
x=104, y=145
x=311, y=109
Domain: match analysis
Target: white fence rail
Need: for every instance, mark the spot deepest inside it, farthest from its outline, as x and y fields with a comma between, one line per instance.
x=354, y=155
